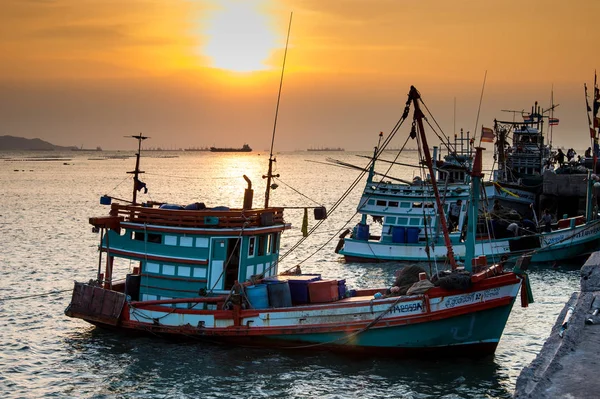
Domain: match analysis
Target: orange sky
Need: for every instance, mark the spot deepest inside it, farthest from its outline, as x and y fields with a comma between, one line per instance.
x=88, y=72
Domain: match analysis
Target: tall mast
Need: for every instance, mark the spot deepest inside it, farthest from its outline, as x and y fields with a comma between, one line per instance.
x=137, y=170
x=418, y=116
x=269, y=174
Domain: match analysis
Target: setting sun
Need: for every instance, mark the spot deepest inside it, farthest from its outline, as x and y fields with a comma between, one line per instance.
x=239, y=37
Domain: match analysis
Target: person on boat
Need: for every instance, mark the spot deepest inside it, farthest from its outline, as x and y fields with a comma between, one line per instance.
x=454, y=214
x=570, y=154
x=560, y=157
x=547, y=221
x=548, y=167
x=513, y=229
x=497, y=207
x=588, y=152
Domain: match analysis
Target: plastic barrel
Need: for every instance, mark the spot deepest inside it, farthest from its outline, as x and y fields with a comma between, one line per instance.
x=342, y=288
x=399, y=234
x=412, y=235
x=362, y=232
x=258, y=296
x=279, y=294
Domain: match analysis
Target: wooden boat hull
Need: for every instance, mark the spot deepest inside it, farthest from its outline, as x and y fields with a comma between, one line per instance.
x=442, y=322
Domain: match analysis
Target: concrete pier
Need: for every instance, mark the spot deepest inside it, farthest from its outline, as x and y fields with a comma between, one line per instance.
x=568, y=365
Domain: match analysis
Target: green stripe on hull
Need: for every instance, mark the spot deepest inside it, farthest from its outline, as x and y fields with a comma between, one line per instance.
x=474, y=328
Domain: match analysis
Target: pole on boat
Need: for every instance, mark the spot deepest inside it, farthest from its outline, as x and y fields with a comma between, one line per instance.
x=269, y=174
x=473, y=208
x=418, y=116
x=137, y=170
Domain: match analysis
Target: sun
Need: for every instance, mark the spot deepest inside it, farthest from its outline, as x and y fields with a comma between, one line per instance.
x=239, y=37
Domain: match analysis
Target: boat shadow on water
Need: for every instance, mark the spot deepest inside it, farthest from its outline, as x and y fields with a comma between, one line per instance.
x=125, y=364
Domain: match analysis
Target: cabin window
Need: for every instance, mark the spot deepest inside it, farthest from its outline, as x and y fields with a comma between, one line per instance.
x=261, y=245
x=186, y=241
x=393, y=203
x=152, y=237
x=274, y=243
x=269, y=243
x=428, y=205
x=390, y=220
x=417, y=205
x=405, y=205
x=371, y=202
x=402, y=221
x=152, y=267
x=251, y=244
x=170, y=240
x=381, y=203
x=202, y=242
x=415, y=221
x=168, y=270
x=184, y=271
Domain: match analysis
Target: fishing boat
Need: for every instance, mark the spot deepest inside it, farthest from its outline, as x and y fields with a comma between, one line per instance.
x=523, y=159
x=245, y=148
x=213, y=274
x=400, y=220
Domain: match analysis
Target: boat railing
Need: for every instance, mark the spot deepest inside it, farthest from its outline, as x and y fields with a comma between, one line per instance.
x=206, y=218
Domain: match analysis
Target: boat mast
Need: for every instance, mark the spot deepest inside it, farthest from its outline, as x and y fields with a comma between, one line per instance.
x=269, y=174
x=473, y=208
x=137, y=170
x=418, y=116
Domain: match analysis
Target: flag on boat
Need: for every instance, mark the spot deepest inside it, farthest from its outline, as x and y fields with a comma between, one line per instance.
x=139, y=185
x=527, y=118
x=304, y=228
x=553, y=121
x=487, y=135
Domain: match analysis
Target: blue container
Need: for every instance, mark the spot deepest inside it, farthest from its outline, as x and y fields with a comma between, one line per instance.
x=342, y=288
x=399, y=234
x=362, y=232
x=105, y=200
x=412, y=235
x=279, y=292
x=258, y=296
x=299, y=287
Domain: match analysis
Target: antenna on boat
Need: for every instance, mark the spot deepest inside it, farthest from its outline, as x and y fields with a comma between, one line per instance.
x=137, y=171
x=479, y=108
x=269, y=174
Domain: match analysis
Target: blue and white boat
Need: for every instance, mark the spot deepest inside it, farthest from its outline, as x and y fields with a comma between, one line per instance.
x=400, y=221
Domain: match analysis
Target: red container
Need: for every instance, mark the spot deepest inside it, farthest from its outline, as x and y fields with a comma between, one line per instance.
x=323, y=291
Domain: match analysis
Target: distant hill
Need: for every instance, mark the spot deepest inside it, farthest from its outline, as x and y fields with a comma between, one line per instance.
x=23, y=144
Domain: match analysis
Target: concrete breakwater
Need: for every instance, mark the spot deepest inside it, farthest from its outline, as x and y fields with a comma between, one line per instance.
x=568, y=364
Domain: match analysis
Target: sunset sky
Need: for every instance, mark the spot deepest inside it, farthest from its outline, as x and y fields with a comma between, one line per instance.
x=201, y=73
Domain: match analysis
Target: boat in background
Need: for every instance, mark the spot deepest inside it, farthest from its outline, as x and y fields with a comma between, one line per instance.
x=401, y=221
x=213, y=274
x=245, y=148
x=325, y=149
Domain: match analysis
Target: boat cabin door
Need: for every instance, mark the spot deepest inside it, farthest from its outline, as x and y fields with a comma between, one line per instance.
x=224, y=262
x=232, y=262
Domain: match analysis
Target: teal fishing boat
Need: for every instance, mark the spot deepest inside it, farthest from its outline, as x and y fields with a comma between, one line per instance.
x=213, y=274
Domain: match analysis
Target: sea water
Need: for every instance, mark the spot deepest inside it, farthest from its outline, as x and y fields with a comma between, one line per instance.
x=46, y=243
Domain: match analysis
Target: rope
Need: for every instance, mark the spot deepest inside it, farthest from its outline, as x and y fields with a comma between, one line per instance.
x=12, y=298
x=296, y=191
x=347, y=338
